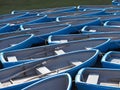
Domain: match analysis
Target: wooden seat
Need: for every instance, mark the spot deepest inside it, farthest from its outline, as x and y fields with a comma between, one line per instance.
x=27, y=29
x=92, y=78
x=1, y=85
x=63, y=41
x=59, y=52
x=92, y=30
x=88, y=48
x=12, y=59
x=119, y=84
x=76, y=63
x=12, y=44
x=110, y=84
x=42, y=70
x=116, y=61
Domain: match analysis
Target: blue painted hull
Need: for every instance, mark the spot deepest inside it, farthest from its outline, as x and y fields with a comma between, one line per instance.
x=103, y=79
x=113, y=45
x=103, y=47
x=111, y=60
x=48, y=10
x=35, y=53
x=16, y=42
x=53, y=64
x=62, y=81
x=98, y=29
x=116, y=2
x=112, y=24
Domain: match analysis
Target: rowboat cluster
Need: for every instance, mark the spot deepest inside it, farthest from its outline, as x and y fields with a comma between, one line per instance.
x=64, y=48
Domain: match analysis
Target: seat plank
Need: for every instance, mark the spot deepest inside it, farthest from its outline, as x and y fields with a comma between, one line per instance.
x=63, y=41
x=88, y=48
x=12, y=59
x=92, y=78
x=116, y=61
x=13, y=44
x=76, y=63
x=1, y=85
x=42, y=70
x=59, y=52
x=109, y=84
x=92, y=30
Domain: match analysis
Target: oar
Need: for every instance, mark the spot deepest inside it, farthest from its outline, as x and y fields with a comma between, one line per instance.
x=26, y=70
x=57, y=70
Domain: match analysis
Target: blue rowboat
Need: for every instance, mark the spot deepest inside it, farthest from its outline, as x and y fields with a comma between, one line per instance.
x=7, y=17
x=50, y=30
x=14, y=24
x=111, y=60
x=96, y=20
x=43, y=31
x=98, y=29
x=60, y=10
x=108, y=9
x=10, y=25
x=47, y=10
x=16, y=42
x=78, y=12
x=79, y=22
x=116, y=2
x=34, y=18
x=102, y=49
x=64, y=76
x=56, y=82
x=114, y=36
x=2, y=25
x=9, y=28
x=108, y=17
x=41, y=68
x=98, y=79
x=114, y=10
x=73, y=13
x=35, y=53
x=39, y=25
x=112, y=24
x=117, y=13
x=103, y=18
x=94, y=7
